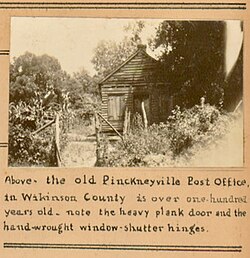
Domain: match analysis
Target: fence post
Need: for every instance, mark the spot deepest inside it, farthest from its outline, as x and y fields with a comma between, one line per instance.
x=125, y=124
x=202, y=102
x=98, y=139
x=57, y=140
x=144, y=115
x=129, y=120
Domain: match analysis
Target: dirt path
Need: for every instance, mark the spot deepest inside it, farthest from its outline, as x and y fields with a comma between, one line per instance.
x=80, y=151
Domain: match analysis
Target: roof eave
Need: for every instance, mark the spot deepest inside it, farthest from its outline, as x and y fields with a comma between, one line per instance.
x=124, y=63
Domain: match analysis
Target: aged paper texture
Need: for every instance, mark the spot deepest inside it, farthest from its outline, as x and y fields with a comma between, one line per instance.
x=124, y=129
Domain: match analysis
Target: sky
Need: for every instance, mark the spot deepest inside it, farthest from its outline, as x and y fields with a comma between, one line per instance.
x=70, y=40
x=73, y=40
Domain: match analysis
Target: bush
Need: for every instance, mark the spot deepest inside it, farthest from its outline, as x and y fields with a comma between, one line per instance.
x=137, y=146
x=172, y=143
x=26, y=149
x=188, y=127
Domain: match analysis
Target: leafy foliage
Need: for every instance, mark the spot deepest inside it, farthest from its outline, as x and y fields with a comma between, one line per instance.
x=35, y=96
x=179, y=138
x=31, y=75
x=25, y=149
x=192, y=54
x=188, y=127
x=108, y=55
x=39, y=89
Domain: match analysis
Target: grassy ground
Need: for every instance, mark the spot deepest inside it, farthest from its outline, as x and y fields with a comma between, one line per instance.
x=81, y=148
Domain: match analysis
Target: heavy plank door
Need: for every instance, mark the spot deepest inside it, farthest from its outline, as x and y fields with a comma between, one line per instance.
x=116, y=107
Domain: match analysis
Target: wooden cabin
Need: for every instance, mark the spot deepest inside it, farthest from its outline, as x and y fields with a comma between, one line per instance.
x=135, y=81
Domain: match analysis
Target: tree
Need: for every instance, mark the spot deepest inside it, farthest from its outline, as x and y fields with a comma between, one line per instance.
x=192, y=56
x=36, y=93
x=32, y=75
x=108, y=55
x=88, y=83
x=81, y=86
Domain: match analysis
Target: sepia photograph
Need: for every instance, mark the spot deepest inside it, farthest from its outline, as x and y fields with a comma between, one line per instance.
x=109, y=92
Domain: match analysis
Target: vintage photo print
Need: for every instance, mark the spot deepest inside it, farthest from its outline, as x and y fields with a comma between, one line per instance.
x=95, y=92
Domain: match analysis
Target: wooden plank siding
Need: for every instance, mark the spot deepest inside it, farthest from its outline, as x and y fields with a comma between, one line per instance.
x=137, y=76
x=138, y=70
x=128, y=98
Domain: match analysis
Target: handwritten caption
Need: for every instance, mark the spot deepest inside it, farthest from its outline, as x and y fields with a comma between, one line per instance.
x=106, y=203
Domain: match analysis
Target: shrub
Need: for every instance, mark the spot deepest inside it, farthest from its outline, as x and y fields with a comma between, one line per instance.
x=137, y=146
x=188, y=127
x=26, y=149
x=172, y=143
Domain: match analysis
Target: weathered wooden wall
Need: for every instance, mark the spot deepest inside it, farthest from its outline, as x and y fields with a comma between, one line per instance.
x=138, y=75
x=127, y=92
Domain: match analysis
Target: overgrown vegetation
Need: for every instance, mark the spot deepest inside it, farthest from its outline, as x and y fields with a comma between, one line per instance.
x=24, y=148
x=172, y=143
x=40, y=89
